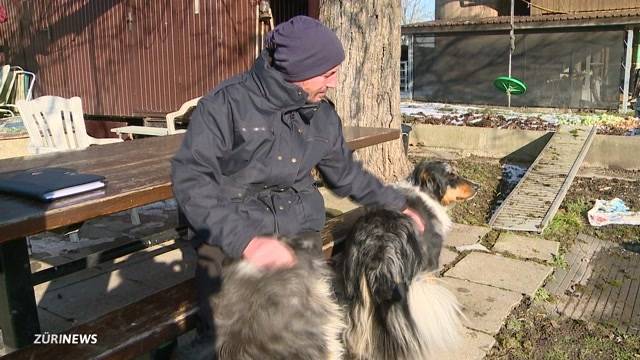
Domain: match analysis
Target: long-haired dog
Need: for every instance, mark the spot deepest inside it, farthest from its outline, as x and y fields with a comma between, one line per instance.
x=280, y=314
x=396, y=309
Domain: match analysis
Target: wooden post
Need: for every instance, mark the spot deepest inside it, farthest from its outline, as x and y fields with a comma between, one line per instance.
x=410, y=66
x=627, y=72
x=18, y=309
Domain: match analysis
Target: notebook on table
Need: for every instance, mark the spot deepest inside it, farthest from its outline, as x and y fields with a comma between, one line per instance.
x=48, y=184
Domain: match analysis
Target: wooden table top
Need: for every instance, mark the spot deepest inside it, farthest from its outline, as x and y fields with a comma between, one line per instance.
x=138, y=173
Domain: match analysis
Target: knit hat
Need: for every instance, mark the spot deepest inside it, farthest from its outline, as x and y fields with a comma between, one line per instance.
x=303, y=47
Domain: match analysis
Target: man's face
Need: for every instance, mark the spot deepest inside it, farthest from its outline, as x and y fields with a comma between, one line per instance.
x=317, y=86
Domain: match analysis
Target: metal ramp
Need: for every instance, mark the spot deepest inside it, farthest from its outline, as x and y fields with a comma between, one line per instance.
x=538, y=195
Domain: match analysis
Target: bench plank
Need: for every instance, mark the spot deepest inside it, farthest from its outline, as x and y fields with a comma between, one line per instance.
x=138, y=328
x=128, y=332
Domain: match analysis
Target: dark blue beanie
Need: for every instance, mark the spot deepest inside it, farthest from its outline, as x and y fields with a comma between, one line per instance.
x=303, y=48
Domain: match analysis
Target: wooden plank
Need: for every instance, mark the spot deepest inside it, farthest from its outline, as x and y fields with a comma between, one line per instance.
x=360, y=137
x=623, y=295
x=581, y=254
x=634, y=287
x=151, y=321
x=617, y=288
x=582, y=273
x=607, y=288
x=538, y=196
x=572, y=173
x=138, y=173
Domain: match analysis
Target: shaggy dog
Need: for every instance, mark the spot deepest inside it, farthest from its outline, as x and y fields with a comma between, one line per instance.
x=396, y=309
x=280, y=314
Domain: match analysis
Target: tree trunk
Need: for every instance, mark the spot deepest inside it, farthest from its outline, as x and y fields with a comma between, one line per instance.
x=368, y=92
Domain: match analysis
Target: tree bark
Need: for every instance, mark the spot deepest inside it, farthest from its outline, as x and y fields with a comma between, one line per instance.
x=368, y=92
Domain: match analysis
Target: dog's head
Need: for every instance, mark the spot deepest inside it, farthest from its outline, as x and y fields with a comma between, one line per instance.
x=440, y=179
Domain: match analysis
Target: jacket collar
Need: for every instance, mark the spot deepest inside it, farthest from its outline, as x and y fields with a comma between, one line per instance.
x=275, y=89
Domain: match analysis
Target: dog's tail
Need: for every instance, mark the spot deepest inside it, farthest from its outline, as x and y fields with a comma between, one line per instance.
x=436, y=314
x=395, y=323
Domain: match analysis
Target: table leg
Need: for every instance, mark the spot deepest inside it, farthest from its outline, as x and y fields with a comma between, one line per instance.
x=18, y=309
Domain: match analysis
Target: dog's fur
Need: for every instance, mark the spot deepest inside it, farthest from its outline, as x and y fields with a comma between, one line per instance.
x=397, y=310
x=280, y=314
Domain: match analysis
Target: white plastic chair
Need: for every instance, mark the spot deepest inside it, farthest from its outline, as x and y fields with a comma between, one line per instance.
x=57, y=124
x=184, y=109
x=7, y=78
x=158, y=131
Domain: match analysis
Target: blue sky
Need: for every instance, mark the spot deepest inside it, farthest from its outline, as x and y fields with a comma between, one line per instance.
x=431, y=7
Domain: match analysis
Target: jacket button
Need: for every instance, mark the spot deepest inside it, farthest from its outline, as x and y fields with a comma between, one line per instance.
x=293, y=160
x=244, y=129
x=280, y=207
x=289, y=201
x=266, y=186
x=279, y=157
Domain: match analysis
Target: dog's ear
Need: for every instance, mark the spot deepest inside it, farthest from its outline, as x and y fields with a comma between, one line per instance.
x=432, y=184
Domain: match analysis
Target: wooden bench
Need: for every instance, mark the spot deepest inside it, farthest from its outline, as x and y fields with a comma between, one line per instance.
x=143, y=326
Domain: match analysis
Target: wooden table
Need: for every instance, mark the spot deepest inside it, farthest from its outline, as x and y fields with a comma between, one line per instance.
x=138, y=173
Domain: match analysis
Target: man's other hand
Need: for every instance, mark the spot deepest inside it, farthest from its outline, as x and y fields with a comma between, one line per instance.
x=416, y=219
x=269, y=253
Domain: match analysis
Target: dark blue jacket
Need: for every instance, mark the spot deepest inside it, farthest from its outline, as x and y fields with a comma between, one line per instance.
x=244, y=168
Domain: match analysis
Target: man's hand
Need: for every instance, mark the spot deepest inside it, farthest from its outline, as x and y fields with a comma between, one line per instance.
x=269, y=253
x=416, y=219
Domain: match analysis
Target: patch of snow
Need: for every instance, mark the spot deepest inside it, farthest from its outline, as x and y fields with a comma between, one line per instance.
x=512, y=173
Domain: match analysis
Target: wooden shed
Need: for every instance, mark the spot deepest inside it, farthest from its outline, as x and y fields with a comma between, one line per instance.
x=131, y=58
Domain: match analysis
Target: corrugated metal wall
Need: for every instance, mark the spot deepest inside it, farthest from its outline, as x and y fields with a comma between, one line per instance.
x=582, y=5
x=133, y=57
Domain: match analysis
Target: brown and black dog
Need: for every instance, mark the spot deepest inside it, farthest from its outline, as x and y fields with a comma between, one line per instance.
x=396, y=308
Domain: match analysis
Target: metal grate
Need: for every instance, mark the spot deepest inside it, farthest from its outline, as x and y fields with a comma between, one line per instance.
x=538, y=195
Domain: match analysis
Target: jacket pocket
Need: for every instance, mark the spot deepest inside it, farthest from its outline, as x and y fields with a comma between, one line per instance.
x=313, y=211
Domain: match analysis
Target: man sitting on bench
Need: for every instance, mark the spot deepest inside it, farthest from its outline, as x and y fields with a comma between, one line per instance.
x=243, y=173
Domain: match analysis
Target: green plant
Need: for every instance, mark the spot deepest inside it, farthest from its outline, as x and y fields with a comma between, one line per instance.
x=559, y=261
x=542, y=295
x=567, y=221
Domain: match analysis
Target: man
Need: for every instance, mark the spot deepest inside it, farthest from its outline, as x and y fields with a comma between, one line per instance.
x=242, y=175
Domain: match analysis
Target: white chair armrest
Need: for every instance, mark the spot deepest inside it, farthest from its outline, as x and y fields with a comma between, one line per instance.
x=141, y=130
x=105, y=141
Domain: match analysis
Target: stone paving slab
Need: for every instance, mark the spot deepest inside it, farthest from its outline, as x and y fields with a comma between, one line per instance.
x=461, y=235
x=446, y=257
x=474, y=346
x=64, y=281
x=53, y=323
x=86, y=300
x=505, y=273
x=336, y=205
x=485, y=307
x=162, y=271
x=527, y=247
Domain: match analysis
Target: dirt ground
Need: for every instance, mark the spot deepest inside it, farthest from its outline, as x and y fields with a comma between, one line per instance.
x=625, y=127
x=532, y=331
